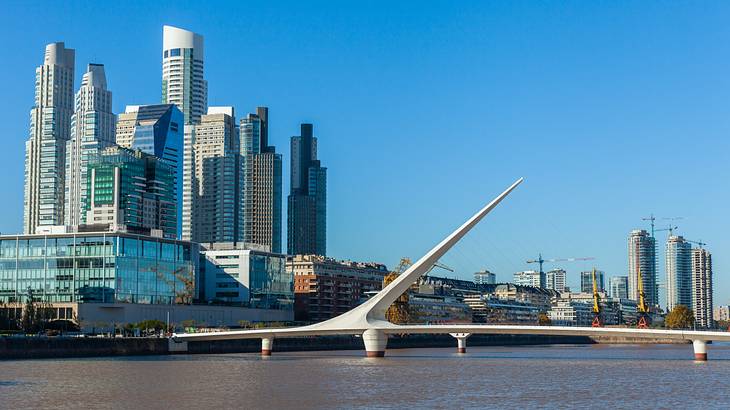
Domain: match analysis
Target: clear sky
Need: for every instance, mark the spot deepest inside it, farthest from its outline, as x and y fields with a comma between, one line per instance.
x=426, y=110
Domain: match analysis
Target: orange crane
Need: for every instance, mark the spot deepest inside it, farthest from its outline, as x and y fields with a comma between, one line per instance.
x=540, y=260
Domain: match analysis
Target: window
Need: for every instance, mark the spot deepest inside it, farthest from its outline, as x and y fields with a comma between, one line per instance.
x=175, y=52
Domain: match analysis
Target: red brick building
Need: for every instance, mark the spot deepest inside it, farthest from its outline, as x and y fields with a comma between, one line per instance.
x=325, y=287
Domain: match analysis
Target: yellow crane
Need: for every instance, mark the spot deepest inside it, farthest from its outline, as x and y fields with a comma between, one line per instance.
x=641, y=308
x=597, y=319
x=398, y=312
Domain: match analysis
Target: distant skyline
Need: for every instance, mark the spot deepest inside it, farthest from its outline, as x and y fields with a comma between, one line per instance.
x=611, y=111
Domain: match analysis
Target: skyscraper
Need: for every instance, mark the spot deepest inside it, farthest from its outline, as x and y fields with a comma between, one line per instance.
x=619, y=286
x=156, y=130
x=92, y=129
x=642, y=254
x=586, y=281
x=45, y=150
x=183, y=83
x=213, y=180
x=262, y=187
x=131, y=191
x=555, y=280
x=679, y=272
x=307, y=210
x=702, y=287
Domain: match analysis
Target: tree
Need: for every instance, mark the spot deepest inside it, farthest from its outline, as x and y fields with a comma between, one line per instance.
x=543, y=319
x=681, y=317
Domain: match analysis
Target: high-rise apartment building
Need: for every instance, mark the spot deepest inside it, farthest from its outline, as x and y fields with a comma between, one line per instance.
x=619, y=287
x=555, y=279
x=131, y=191
x=45, y=150
x=262, y=188
x=307, y=210
x=702, y=287
x=183, y=83
x=485, y=277
x=213, y=179
x=586, y=281
x=679, y=272
x=92, y=129
x=527, y=278
x=156, y=130
x=642, y=255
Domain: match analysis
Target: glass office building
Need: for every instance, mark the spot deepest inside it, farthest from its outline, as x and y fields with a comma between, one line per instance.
x=96, y=268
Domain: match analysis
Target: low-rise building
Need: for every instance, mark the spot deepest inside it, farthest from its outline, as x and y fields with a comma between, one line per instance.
x=485, y=277
x=567, y=312
x=245, y=275
x=325, y=287
x=490, y=309
x=527, y=278
x=721, y=313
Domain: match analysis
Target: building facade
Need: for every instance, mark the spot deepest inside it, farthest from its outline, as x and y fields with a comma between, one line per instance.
x=45, y=150
x=527, y=278
x=183, y=83
x=97, y=267
x=92, y=129
x=642, y=256
x=702, y=287
x=586, y=281
x=325, y=288
x=307, y=202
x=556, y=280
x=263, y=186
x=156, y=130
x=213, y=179
x=619, y=287
x=721, y=313
x=679, y=272
x=485, y=277
x=246, y=275
x=131, y=191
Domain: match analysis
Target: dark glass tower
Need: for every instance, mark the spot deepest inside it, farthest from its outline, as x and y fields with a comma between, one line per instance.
x=307, y=211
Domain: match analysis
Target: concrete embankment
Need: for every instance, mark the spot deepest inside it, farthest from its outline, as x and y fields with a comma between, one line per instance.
x=59, y=347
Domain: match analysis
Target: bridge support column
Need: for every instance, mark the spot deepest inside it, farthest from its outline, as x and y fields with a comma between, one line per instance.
x=460, y=341
x=267, y=344
x=375, y=342
x=700, y=347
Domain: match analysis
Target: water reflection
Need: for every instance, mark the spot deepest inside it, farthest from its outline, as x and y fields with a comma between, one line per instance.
x=601, y=376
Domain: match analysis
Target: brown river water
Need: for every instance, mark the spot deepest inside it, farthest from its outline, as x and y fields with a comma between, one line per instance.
x=558, y=376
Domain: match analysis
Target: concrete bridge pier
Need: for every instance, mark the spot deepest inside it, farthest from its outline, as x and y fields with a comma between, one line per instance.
x=460, y=341
x=375, y=342
x=700, y=347
x=267, y=344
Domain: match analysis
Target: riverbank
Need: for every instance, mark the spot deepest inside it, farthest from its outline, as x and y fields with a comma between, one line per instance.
x=13, y=348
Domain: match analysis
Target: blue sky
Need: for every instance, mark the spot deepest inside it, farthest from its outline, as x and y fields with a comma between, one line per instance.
x=425, y=110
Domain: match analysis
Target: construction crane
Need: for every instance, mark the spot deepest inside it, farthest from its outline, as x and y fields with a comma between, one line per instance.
x=399, y=311
x=438, y=265
x=540, y=260
x=597, y=318
x=641, y=308
x=651, y=218
x=670, y=229
x=699, y=243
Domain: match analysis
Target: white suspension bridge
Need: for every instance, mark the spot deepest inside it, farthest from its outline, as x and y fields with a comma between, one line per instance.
x=368, y=320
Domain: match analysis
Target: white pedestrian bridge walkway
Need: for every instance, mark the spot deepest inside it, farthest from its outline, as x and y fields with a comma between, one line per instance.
x=368, y=319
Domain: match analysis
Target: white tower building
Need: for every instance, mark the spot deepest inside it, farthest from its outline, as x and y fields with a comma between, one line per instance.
x=679, y=272
x=45, y=150
x=642, y=255
x=702, y=287
x=182, y=73
x=92, y=129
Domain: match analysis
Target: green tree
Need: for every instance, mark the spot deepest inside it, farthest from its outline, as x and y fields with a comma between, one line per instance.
x=543, y=319
x=681, y=317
